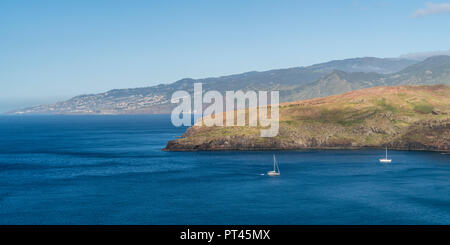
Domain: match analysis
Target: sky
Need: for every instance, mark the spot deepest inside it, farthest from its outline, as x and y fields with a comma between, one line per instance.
x=54, y=50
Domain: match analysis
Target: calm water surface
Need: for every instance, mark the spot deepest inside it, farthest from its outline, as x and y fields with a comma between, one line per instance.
x=111, y=170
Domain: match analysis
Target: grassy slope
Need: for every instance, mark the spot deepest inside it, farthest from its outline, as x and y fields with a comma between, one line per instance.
x=403, y=117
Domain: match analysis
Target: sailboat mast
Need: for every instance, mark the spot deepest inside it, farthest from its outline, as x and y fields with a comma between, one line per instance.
x=274, y=162
x=386, y=152
x=275, y=165
x=278, y=169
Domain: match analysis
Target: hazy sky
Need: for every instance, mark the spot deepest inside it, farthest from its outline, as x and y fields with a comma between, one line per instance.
x=52, y=50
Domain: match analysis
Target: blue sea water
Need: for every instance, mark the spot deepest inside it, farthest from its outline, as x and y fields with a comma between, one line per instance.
x=111, y=170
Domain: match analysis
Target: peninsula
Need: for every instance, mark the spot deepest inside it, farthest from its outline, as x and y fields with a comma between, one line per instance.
x=399, y=117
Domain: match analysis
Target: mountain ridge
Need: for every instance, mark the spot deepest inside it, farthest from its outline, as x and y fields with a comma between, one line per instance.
x=293, y=83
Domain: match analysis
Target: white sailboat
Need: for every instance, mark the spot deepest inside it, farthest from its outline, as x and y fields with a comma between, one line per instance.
x=386, y=160
x=276, y=170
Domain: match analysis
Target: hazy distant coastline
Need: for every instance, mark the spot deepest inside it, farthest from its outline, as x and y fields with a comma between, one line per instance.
x=320, y=80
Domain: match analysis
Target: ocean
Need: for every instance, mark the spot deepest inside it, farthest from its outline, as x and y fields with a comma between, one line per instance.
x=111, y=170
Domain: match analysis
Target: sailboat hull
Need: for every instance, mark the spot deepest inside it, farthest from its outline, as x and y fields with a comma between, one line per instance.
x=273, y=173
x=386, y=159
x=276, y=170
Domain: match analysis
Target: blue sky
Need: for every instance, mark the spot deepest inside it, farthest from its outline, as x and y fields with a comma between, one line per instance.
x=53, y=50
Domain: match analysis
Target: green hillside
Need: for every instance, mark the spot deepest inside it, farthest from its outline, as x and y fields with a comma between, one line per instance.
x=400, y=117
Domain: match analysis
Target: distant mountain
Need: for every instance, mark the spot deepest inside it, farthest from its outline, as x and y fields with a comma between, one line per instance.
x=318, y=80
x=336, y=82
x=424, y=55
x=434, y=70
x=368, y=64
x=399, y=117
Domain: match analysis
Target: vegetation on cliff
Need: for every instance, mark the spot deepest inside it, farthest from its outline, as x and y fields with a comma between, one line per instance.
x=400, y=117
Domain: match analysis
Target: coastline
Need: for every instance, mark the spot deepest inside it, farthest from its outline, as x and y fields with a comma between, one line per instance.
x=300, y=149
